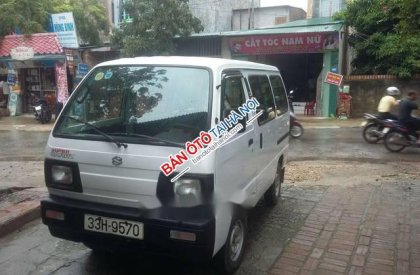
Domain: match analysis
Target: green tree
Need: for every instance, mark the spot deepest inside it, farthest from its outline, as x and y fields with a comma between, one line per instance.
x=30, y=16
x=154, y=25
x=26, y=15
x=387, y=36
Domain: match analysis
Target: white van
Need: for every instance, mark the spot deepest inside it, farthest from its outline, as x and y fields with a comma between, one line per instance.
x=121, y=171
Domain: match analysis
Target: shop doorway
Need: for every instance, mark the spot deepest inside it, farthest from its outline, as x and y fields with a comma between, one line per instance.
x=300, y=73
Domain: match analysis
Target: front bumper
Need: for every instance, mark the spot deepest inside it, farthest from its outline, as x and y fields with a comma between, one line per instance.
x=157, y=226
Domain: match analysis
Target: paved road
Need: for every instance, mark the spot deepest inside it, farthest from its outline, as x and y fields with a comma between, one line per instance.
x=346, y=161
x=344, y=143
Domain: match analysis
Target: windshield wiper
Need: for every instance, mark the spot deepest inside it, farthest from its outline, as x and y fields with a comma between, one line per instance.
x=151, y=138
x=119, y=144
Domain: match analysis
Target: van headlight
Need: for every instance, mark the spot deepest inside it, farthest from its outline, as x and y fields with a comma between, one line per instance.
x=62, y=174
x=184, y=187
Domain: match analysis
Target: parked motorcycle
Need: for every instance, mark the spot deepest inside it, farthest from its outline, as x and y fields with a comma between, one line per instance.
x=399, y=137
x=42, y=112
x=296, y=129
x=374, y=128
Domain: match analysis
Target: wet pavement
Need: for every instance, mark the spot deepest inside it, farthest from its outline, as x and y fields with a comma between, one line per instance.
x=344, y=202
x=269, y=230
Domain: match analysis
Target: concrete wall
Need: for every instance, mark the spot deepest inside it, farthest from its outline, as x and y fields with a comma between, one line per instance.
x=366, y=93
x=216, y=15
x=265, y=17
x=324, y=8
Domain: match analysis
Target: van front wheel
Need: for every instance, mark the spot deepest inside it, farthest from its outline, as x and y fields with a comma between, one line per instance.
x=272, y=195
x=230, y=256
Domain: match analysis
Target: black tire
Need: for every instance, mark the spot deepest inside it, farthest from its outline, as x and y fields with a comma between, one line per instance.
x=48, y=116
x=272, y=195
x=395, y=142
x=229, y=258
x=368, y=136
x=296, y=131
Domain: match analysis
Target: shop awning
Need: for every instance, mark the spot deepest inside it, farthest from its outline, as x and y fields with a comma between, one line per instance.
x=41, y=43
x=315, y=25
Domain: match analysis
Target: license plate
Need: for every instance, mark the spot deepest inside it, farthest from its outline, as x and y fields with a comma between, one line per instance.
x=364, y=123
x=37, y=108
x=113, y=226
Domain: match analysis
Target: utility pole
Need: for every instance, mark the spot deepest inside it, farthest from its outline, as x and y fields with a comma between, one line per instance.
x=252, y=13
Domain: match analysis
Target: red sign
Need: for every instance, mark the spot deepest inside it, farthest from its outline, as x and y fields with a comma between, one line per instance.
x=334, y=79
x=284, y=43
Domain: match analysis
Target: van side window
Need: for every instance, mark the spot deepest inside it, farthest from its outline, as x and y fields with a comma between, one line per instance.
x=261, y=89
x=232, y=95
x=279, y=94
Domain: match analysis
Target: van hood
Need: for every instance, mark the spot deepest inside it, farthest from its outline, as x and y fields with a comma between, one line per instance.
x=118, y=176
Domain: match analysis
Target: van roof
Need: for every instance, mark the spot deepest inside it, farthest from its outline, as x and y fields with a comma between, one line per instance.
x=209, y=62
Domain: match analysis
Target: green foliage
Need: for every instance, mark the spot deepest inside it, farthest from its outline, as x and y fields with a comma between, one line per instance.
x=387, y=36
x=27, y=15
x=154, y=26
x=31, y=16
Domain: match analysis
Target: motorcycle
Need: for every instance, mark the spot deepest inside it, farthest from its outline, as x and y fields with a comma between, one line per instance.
x=42, y=112
x=296, y=129
x=374, y=128
x=399, y=137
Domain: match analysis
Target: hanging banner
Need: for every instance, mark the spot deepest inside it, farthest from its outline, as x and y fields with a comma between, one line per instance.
x=63, y=25
x=61, y=82
x=70, y=60
x=284, y=43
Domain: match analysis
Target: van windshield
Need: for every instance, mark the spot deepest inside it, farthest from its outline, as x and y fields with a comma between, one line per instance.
x=139, y=105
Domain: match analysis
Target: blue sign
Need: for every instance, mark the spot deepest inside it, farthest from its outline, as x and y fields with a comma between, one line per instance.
x=82, y=69
x=11, y=79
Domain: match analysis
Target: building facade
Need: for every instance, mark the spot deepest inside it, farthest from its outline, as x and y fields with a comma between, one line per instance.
x=216, y=15
x=324, y=8
x=244, y=19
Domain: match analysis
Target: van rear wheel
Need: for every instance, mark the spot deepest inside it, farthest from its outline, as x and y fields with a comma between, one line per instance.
x=272, y=195
x=230, y=256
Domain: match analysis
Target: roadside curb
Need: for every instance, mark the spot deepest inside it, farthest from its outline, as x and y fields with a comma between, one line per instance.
x=17, y=215
x=18, y=206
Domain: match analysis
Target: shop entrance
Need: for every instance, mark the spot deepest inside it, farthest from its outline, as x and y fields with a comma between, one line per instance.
x=300, y=73
x=38, y=82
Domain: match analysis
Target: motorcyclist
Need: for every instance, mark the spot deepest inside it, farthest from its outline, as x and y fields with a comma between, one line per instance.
x=388, y=102
x=406, y=107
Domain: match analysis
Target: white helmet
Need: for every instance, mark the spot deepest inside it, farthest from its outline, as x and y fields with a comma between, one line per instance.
x=393, y=91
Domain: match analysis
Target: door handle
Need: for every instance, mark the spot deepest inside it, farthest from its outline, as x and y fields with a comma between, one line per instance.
x=261, y=141
x=250, y=142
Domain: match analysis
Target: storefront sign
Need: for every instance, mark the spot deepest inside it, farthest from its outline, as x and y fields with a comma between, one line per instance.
x=70, y=61
x=22, y=53
x=284, y=43
x=11, y=79
x=63, y=25
x=61, y=82
x=334, y=79
x=82, y=69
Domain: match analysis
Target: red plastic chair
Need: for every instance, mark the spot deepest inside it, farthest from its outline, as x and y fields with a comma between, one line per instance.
x=309, y=108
